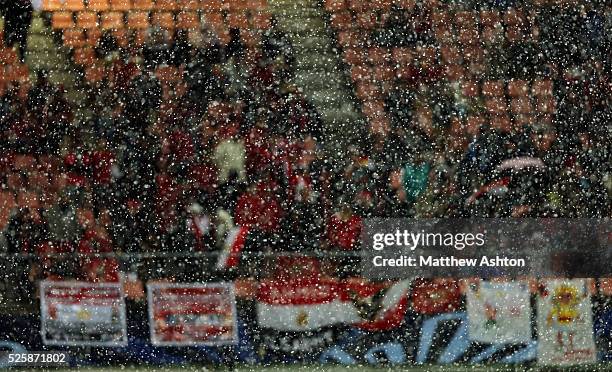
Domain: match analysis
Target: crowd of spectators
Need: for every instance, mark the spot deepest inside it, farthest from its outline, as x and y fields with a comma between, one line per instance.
x=190, y=136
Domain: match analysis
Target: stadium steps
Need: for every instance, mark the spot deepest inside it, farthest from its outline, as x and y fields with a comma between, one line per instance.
x=44, y=53
x=317, y=68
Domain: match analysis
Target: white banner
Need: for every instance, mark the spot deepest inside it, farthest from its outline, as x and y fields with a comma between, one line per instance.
x=499, y=313
x=82, y=314
x=192, y=314
x=565, y=323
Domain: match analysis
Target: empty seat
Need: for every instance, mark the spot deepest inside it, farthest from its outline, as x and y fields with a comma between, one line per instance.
x=383, y=73
x=518, y=88
x=121, y=5
x=470, y=89
x=214, y=20
x=367, y=91
x=52, y=5
x=212, y=5
x=84, y=56
x=489, y=18
x=112, y=21
x=465, y=19
x=350, y=39
x=94, y=74
x=335, y=5
x=98, y=5
x=541, y=88
x=493, y=88
x=166, y=5
x=367, y=20
x=358, y=5
x=138, y=20
x=360, y=73
x=342, y=20
x=187, y=20
x=143, y=4
x=87, y=20
x=189, y=4
x=237, y=20
x=496, y=106
x=61, y=20
x=521, y=105
x=260, y=21
x=402, y=56
x=545, y=104
x=238, y=6
x=354, y=57
x=73, y=5
x=378, y=56
x=501, y=123
x=73, y=38
x=374, y=108
x=164, y=20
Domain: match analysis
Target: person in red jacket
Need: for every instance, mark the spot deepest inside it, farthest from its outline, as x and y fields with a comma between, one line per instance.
x=342, y=233
x=259, y=208
x=343, y=229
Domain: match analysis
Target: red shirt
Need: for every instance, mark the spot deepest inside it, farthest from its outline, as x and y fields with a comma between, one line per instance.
x=261, y=210
x=344, y=234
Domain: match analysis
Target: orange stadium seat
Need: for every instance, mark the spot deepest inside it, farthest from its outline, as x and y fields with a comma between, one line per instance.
x=121, y=5
x=84, y=56
x=73, y=38
x=521, y=105
x=378, y=56
x=164, y=20
x=465, y=19
x=489, y=18
x=261, y=21
x=350, y=39
x=138, y=20
x=52, y=5
x=95, y=74
x=518, y=88
x=237, y=6
x=383, y=73
x=60, y=20
x=92, y=36
x=143, y=4
x=541, y=88
x=496, y=106
x=189, y=4
x=237, y=20
x=380, y=125
x=501, y=122
x=402, y=56
x=545, y=104
x=257, y=5
x=366, y=20
x=367, y=91
x=473, y=124
x=354, y=57
x=166, y=5
x=26, y=163
x=112, y=20
x=342, y=20
x=212, y=5
x=98, y=5
x=360, y=73
x=374, y=108
x=454, y=72
x=335, y=5
x=358, y=5
x=87, y=20
x=187, y=20
x=250, y=38
x=493, y=88
x=73, y=5
x=7, y=57
x=450, y=54
x=381, y=5
x=214, y=20
x=470, y=89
